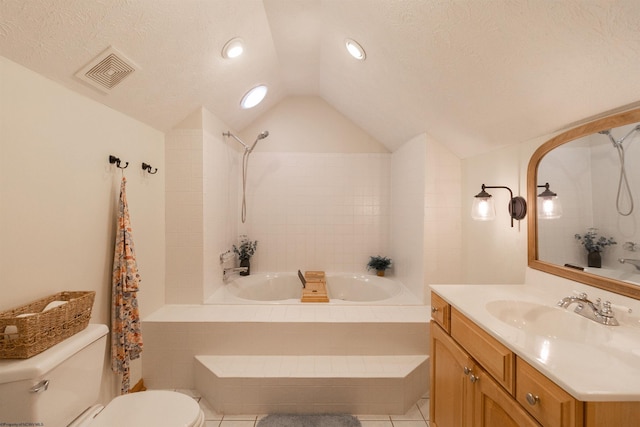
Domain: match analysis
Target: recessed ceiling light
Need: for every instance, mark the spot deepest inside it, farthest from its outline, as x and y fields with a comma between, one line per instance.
x=253, y=97
x=233, y=48
x=355, y=49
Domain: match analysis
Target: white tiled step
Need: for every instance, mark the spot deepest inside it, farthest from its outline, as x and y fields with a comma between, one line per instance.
x=312, y=366
x=353, y=384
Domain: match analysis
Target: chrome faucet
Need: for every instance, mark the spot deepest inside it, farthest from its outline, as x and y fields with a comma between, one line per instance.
x=227, y=272
x=634, y=262
x=599, y=312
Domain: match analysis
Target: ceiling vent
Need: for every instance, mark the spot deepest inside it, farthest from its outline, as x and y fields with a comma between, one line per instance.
x=108, y=70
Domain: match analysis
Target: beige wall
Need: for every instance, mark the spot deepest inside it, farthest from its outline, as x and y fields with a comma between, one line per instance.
x=58, y=194
x=493, y=252
x=309, y=124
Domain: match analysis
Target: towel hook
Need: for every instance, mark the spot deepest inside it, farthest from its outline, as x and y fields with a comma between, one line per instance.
x=114, y=159
x=147, y=167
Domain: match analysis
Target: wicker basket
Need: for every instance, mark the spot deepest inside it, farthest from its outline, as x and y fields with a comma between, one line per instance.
x=28, y=336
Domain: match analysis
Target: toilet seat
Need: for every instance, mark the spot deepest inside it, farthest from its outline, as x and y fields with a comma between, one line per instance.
x=157, y=408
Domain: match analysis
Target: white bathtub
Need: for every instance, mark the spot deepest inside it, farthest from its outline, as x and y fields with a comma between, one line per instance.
x=286, y=288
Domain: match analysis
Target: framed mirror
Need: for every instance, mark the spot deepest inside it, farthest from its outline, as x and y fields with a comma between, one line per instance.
x=593, y=169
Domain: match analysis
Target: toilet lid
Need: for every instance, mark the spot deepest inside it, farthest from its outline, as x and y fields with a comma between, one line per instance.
x=156, y=408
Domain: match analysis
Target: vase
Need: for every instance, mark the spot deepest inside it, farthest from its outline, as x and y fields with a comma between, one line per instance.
x=380, y=273
x=594, y=259
x=245, y=263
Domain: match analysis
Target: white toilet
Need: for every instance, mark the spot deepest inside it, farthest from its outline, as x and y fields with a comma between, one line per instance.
x=60, y=387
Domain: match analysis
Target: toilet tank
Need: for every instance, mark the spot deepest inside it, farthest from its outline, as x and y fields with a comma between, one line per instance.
x=72, y=372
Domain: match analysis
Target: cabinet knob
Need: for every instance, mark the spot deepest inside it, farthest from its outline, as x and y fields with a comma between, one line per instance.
x=466, y=370
x=474, y=379
x=434, y=310
x=532, y=399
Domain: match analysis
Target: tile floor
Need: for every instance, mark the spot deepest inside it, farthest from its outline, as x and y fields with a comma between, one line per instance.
x=417, y=416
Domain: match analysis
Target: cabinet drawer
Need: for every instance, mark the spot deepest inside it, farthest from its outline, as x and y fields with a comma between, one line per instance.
x=494, y=357
x=543, y=399
x=440, y=312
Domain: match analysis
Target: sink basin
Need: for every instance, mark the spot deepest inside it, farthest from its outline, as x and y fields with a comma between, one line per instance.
x=544, y=320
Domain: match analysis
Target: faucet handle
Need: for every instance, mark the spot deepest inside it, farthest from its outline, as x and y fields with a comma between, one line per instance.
x=606, y=309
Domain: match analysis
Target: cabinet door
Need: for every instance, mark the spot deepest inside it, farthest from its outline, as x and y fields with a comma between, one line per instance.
x=495, y=407
x=451, y=390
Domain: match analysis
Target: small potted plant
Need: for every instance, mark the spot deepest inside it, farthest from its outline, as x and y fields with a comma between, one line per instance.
x=245, y=251
x=594, y=244
x=379, y=263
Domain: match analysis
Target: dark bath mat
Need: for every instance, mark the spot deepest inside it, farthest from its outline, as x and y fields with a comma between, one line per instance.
x=309, y=420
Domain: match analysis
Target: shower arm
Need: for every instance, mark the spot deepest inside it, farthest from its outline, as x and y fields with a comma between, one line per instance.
x=229, y=134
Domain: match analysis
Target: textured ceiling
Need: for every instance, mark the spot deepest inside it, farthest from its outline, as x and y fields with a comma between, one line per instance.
x=475, y=75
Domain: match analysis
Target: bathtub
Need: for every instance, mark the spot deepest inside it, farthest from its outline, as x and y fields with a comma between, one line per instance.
x=286, y=288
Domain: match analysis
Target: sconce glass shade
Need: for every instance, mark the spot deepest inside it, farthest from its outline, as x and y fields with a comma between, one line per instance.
x=549, y=206
x=483, y=208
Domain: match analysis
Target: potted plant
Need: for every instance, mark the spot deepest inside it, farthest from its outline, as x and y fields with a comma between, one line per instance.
x=594, y=244
x=379, y=263
x=245, y=251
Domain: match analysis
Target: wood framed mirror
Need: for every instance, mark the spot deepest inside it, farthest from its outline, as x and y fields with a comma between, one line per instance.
x=582, y=137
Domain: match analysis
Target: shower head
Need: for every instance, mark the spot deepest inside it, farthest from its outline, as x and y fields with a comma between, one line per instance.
x=261, y=135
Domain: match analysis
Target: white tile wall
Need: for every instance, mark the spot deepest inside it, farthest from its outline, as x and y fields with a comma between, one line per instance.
x=314, y=211
x=184, y=216
x=310, y=211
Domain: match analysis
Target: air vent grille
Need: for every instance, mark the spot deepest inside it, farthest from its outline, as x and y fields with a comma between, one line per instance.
x=107, y=70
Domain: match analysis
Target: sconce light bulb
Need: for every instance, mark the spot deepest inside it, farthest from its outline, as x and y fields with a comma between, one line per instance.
x=483, y=209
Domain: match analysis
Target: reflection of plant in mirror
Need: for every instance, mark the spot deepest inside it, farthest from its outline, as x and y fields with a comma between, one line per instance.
x=594, y=243
x=247, y=248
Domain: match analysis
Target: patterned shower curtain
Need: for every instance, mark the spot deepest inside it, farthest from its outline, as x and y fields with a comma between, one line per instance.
x=126, y=337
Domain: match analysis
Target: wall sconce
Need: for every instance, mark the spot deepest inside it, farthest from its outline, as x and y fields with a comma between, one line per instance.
x=483, y=208
x=549, y=206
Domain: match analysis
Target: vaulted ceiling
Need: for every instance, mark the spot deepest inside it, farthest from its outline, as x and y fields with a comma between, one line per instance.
x=476, y=75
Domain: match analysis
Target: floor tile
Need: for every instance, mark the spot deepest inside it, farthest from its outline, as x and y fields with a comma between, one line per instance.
x=410, y=423
x=423, y=405
x=413, y=414
x=247, y=417
x=376, y=423
x=373, y=417
x=237, y=423
x=209, y=413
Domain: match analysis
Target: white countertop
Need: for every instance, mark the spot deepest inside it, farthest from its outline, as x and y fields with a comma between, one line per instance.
x=592, y=362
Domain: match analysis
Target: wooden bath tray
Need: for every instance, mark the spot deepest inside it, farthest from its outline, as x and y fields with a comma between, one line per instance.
x=316, y=287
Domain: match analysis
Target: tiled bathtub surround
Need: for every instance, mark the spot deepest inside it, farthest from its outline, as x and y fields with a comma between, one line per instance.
x=174, y=335
x=318, y=211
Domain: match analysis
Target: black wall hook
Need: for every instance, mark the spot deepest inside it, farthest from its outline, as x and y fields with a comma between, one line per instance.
x=147, y=167
x=114, y=159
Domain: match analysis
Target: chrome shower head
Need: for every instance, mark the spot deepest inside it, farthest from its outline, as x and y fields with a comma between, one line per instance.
x=260, y=136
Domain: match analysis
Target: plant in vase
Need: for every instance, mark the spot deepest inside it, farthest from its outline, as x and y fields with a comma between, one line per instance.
x=379, y=263
x=594, y=244
x=245, y=251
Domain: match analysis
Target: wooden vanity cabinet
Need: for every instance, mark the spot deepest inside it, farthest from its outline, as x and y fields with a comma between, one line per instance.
x=478, y=382
x=441, y=312
x=463, y=394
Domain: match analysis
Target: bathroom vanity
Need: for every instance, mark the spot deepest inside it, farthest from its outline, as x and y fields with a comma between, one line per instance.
x=507, y=355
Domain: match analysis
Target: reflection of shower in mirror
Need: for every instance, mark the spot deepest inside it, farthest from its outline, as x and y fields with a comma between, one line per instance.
x=623, y=182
